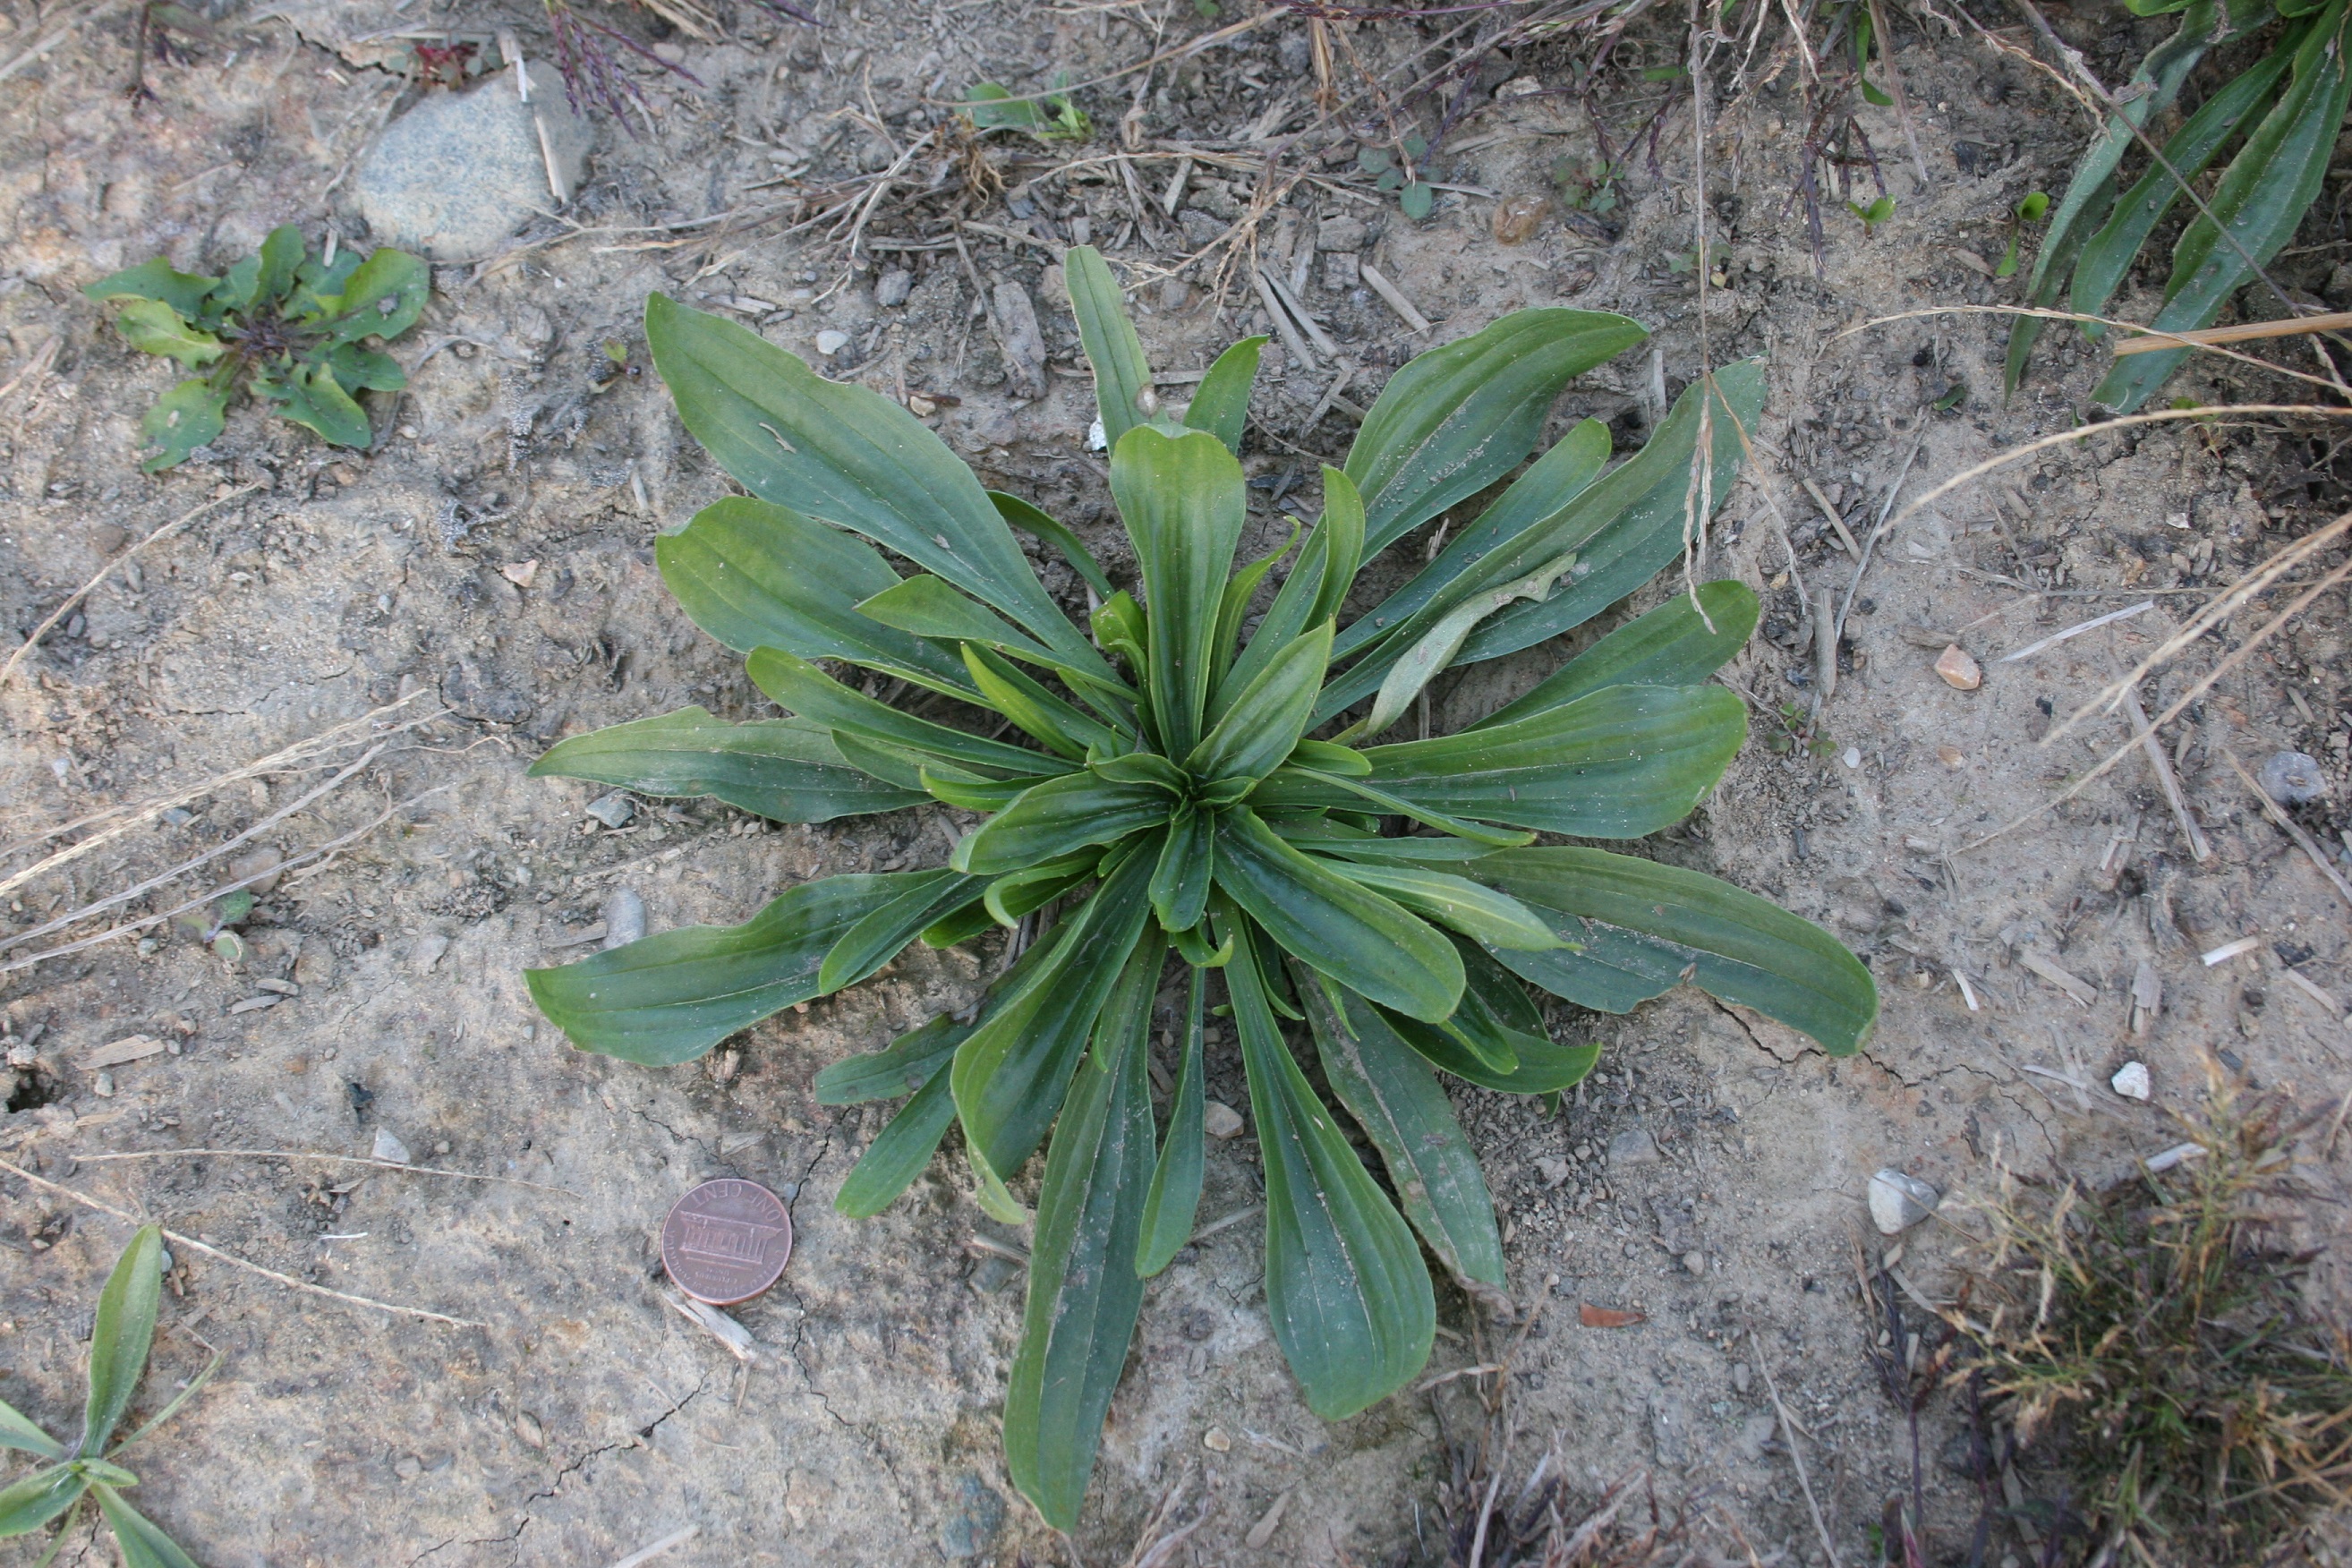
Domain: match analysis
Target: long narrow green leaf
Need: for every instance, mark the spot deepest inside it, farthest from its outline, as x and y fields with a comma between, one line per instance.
x=1221, y=405
x=931, y=897
x=1310, y=596
x=1181, y=878
x=902, y=1066
x=1016, y=893
x=1623, y=526
x=2090, y=192
x=1083, y=1295
x=801, y=687
x=1295, y=788
x=1476, y=910
x=1010, y=1076
x=1350, y=1303
x=27, y=1504
x=119, y=1337
x=1670, y=646
x=1174, y=1200
x=786, y=770
x=1394, y=1097
x=1635, y=929
x=2110, y=253
x=1182, y=499
x=1434, y=648
x=929, y=609
x=1531, y=501
x=1239, y=590
x=1036, y=710
x=1614, y=764
x=1544, y=1065
x=1459, y=418
x=1354, y=935
x=1057, y=817
x=140, y=1540
x=901, y=1151
x=848, y=456
x=18, y=1432
x=2262, y=199
x=1258, y=731
x=1027, y=517
x=1121, y=372
x=672, y=996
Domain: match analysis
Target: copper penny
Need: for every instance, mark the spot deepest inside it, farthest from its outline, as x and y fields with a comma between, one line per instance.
x=726, y=1241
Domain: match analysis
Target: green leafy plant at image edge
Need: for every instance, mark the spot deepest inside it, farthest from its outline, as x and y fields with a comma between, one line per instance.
x=993, y=106
x=1161, y=784
x=290, y=326
x=2289, y=105
x=121, y=1335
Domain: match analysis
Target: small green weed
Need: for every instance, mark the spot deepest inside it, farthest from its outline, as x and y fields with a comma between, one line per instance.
x=1054, y=116
x=1876, y=213
x=2155, y=1340
x=118, y=1341
x=2033, y=209
x=1589, y=184
x=1415, y=196
x=290, y=328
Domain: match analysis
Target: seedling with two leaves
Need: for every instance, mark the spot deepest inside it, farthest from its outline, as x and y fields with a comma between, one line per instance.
x=118, y=1341
x=1054, y=117
x=1415, y=196
x=291, y=329
x=1184, y=794
x=1872, y=216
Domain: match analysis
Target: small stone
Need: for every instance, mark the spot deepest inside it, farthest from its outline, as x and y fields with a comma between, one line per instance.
x=922, y=408
x=1742, y=1377
x=261, y=865
x=1215, y=1440
x=454, y=175
x=893, y=286
x=1219, y=1120
x=1695, y=1261
x=528, y=1428
x=830, y=342
x=103, y=1085
x=613, y=810
x=1899, y=1202
x=1634, y=1147
x=427, y=952
x=408, y=1466
x=1960, y=671
x=388, y=1147
x=1851, y=756
x=1554, y=1172
x=1342, y=271
x=521, y=574
x=1949, y=755
x=1340, y=234
x=2291, y=778
x=1517, y=218
x=624, y=918
x=2131, y=1081
x=1517, y=87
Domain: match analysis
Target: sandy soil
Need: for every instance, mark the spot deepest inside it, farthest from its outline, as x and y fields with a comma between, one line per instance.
x=491, y=561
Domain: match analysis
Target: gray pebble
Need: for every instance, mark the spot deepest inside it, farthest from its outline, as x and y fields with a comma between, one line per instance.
x=624, y=918
x=893, y=286
x=454, y=177
x=1899, y=1202
x=830, y=342
x=2292, y=778
x=1634, y=1147
x=1742, y=1379
x=613, y=810
x=388, y=1147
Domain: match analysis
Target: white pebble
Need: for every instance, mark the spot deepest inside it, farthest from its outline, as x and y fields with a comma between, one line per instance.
x=2131, y=1081
x=830, y=342
x=1899, y=1202
x=1851, y=757
x=388, y=1147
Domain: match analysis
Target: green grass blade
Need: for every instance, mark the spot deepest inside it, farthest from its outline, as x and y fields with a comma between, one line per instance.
x=1187, y=863
x=1083, y=1297
x=119, y=1337
x=1459, y=418
x=931, y=897
x=34, y=1501
x=140, y=1540
x=1477, y=911
x=1174, y=1201
x=672, y=996
x=18, y=1432
x=1637, y=927
x=1030, y=518
x=1121, y=372
x=1349, y=1300
x=901, y=1149
x=785, y=770
x=196, y=1386
x=1395, y=1098
x=1670, y=646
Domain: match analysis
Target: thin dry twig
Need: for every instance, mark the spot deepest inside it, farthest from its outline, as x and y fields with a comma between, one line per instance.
x=2303, y=840
x=193, y=1244
x=1789, y=1432
x=2244, y=332
x=2079, y=317
x=313, y=1154
x=84, y=592
x=2161, y=765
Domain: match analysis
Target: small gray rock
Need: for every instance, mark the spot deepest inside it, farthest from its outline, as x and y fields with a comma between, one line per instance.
x=2292, y=778
x=1219, y=1120
x=624, y=918
x=388, y=1147
x=2131, y=1081
x=1742, y=1378
x=613, y=810
x=1899, y=1202
x=1340, y=234
x=454, y=177
x=830, y=342
x=1554, y=1172
x=1695, y=1261
x=1634, y=1147
x=893, y=286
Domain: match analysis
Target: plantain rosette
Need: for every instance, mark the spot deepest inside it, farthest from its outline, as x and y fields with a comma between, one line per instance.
x=1160, y=789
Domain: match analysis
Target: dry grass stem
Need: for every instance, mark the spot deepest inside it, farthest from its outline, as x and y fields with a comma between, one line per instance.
x=2303, y=840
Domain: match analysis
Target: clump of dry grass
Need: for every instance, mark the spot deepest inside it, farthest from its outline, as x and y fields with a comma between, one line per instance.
x=2153, y=1342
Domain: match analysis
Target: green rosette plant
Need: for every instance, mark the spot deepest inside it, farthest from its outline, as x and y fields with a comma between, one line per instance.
x=1161, y=785
x=291, y=328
